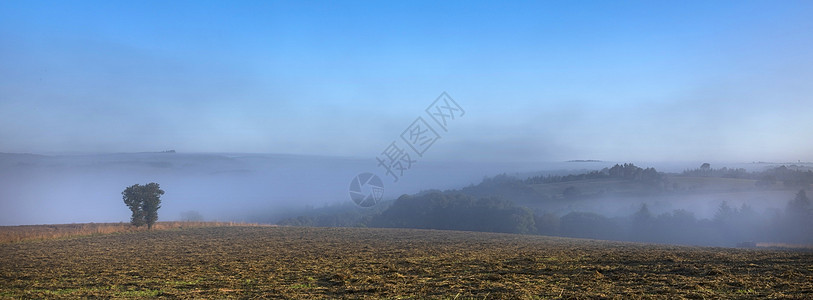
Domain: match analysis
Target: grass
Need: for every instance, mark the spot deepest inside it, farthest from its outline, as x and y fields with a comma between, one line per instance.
x=329, y=263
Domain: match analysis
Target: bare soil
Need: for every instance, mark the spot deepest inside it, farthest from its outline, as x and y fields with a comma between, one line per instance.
x=295, y=262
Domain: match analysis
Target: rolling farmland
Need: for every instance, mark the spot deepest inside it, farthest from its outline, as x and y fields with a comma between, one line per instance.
x=292, y=262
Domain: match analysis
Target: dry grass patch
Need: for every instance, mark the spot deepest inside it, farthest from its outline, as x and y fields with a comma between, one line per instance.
x=11, y=234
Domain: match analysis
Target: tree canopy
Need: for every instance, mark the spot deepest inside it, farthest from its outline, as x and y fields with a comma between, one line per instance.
x=144, y=201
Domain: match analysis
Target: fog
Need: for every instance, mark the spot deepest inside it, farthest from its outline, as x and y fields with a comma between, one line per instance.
x=702, y=206
x=230, y=187
x=280, y=189
x=48, y=189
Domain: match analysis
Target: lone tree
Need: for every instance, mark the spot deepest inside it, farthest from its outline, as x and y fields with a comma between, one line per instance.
x=144, y=201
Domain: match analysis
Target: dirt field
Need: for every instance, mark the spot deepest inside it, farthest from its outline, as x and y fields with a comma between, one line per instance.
x=287, y=262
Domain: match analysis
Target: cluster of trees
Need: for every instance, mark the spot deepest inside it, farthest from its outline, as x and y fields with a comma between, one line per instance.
x=492, y=206
x=456, y=211
x=626, y=171
x=789, y=176
x=647, y=180
x=428, y=210
x=706, y=170
x=632, y=172
x=568, y=178
x=797, y=223
x=144, y=202
x=729, y=226
x=504, y=186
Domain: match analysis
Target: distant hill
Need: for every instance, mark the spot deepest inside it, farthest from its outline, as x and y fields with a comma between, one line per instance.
x=578, y=205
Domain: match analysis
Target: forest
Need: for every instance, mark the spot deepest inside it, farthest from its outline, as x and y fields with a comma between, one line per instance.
x=509, y=204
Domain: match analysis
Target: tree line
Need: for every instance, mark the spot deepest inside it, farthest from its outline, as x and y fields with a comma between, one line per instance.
x=729, y=225
x=791, y=176
x=627, y=171
x=493, y=206
x=457, y=211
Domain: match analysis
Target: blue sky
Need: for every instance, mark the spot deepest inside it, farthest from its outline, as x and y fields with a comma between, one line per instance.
x=540, y=81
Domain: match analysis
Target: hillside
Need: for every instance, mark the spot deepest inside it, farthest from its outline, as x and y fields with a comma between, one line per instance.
x=710, y=207
x=322, y=263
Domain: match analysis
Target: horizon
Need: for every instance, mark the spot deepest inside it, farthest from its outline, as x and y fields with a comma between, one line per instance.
x=239, y=187
x=574, y=161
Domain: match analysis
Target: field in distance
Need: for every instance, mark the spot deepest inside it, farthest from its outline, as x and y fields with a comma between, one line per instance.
x=298, y=262
x=11, y=234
